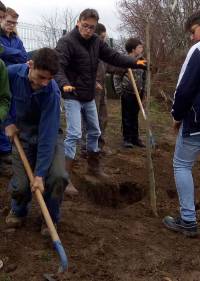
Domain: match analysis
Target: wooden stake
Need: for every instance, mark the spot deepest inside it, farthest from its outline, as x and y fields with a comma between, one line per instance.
x=152, y=185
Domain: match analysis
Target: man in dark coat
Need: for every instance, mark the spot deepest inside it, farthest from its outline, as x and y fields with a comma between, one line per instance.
x=79, y=52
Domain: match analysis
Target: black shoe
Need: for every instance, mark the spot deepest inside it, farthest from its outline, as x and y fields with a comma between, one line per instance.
x=179, y=225
x=128, y=144
x=138, y=142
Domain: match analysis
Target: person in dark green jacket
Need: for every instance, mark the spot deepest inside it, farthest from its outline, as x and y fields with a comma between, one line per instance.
x=4, y=91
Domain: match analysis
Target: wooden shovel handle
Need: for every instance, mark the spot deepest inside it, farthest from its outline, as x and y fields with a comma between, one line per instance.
x=39, y=197
x=131, y=77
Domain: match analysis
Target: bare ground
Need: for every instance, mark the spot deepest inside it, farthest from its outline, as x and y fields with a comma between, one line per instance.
x=109, y=231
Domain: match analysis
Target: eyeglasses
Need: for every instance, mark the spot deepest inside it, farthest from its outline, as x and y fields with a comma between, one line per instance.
x=193, y=29
x=9, y=22
x=87, y=26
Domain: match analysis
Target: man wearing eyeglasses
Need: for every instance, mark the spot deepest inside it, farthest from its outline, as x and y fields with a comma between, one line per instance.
x=186, y=122
x=13, y=52
x=79, y=52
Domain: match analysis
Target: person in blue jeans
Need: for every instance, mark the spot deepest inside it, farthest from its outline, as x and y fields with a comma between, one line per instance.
x=35, y=117
x=13, y=52
x=186, y=115
x=80, y=51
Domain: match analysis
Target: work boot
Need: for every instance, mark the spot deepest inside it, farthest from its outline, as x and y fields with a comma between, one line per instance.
x=13, y=221
x=45, y=230
x=70, y=189
x=94, y=167
x=179, y=225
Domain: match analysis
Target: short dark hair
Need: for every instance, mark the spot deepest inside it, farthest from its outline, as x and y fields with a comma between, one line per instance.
x=100, y=28
x=193, y=19
x=46, y=59
x=131, y=44
x=89, y=13
x=2, y=7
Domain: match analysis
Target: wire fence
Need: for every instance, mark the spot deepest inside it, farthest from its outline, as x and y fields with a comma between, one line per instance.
x=37, y=36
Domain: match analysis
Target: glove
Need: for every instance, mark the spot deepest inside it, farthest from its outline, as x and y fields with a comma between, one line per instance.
x=142, y=62
x=68, y=89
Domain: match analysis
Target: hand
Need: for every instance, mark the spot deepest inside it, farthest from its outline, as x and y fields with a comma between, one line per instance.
x=68, y=88
x=37, y=183
x=176, y=126
x=11, y=131
x=99, y=88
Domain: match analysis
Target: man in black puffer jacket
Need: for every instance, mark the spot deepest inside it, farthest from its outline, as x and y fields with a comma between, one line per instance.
x=79, y=52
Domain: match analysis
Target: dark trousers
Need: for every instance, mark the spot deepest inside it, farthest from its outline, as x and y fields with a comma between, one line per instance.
x=130, y=110
x=55, y=181
x=5, y=145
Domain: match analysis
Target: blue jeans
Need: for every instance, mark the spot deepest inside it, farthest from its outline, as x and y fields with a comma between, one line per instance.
x=186, y=152
x=73, y=111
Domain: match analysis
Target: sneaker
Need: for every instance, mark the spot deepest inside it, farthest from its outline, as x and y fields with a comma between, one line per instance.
x=14, y=221
x=179, y=225
x=45, y=230
x=138, y=142
x=128, y=144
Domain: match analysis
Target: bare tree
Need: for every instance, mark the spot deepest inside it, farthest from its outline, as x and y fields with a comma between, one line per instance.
x=169, y=42
x=54, y=26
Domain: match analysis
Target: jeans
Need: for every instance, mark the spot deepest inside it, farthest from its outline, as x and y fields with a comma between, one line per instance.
x=55, y=181
x=73, y=111
x=186, y=152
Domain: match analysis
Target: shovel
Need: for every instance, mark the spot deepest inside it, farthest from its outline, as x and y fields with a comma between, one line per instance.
x=131, y=77
x=54, y=235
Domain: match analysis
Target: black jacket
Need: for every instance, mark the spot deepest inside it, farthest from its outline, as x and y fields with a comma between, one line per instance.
x=79, y=60
x=186, y=107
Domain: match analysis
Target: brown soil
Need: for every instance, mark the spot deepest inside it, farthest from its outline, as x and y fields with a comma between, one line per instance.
x=109, y=231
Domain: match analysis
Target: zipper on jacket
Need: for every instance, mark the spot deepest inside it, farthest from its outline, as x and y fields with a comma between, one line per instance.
x=195, y=115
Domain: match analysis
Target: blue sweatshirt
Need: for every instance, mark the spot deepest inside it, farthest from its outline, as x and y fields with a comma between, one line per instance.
x=13, y=49
x=186, y=107
x=36, y=115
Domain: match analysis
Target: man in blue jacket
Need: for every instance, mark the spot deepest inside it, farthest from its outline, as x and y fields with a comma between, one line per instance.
x=186, y=115
x=35, y=116
x=13, y=52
